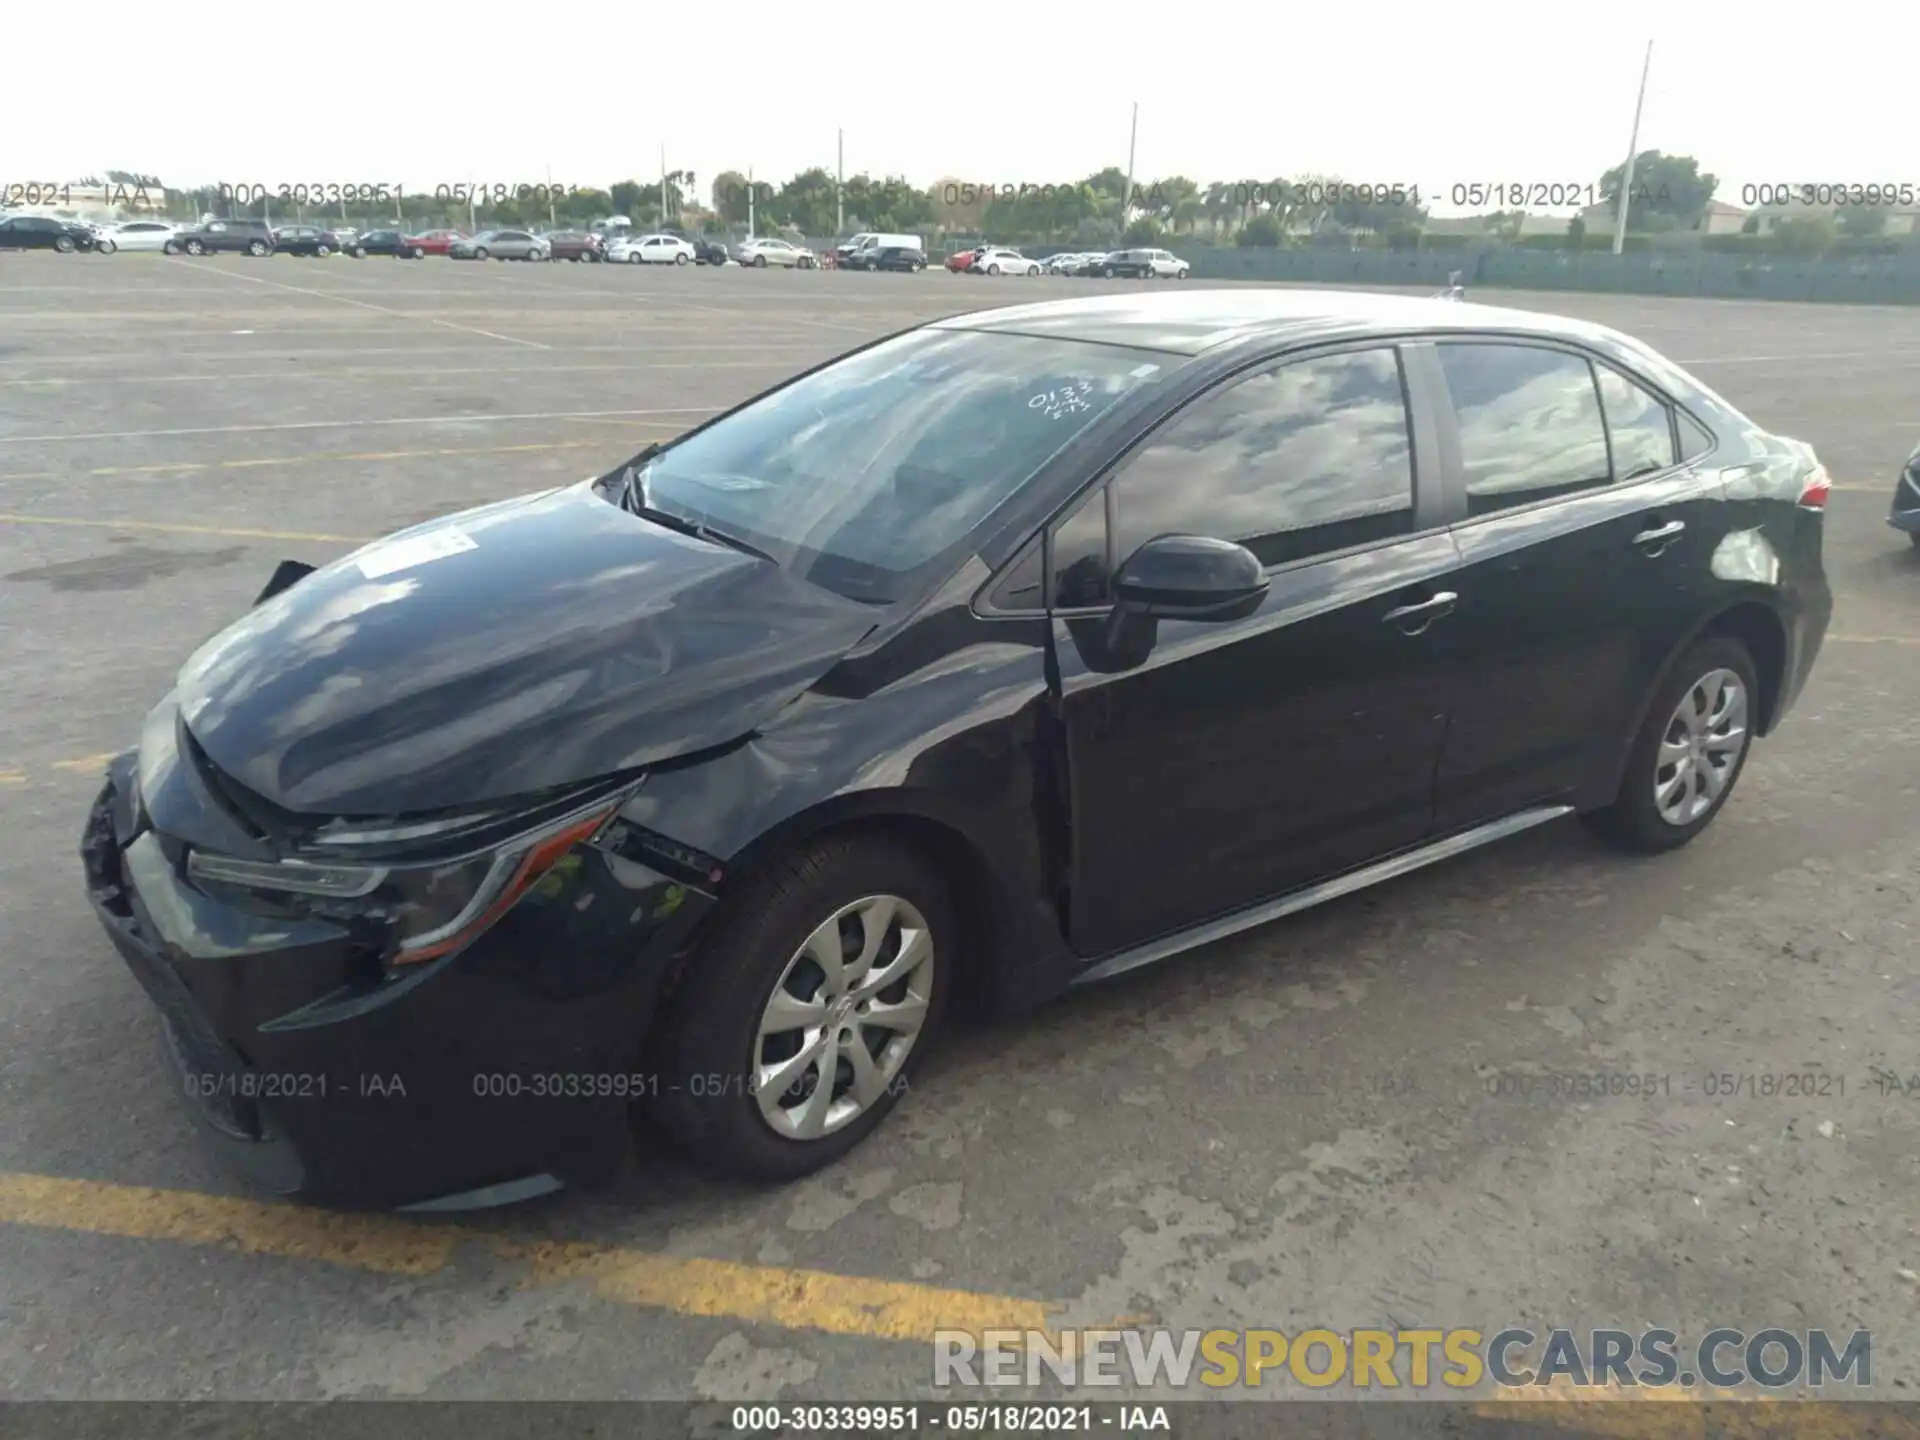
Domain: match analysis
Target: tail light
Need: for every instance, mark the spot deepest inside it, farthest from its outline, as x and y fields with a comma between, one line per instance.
x=1813, y=494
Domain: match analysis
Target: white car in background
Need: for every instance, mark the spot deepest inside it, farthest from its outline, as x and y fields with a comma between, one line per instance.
x=651, y=250
x=998, y=260
x=137, y=235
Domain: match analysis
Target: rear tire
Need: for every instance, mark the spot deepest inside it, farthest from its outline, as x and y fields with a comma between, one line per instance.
x=419, y=253
x=194, y=247
x=712, y=1044
x=256, y=248
x=1636, y=820
x=681, y=258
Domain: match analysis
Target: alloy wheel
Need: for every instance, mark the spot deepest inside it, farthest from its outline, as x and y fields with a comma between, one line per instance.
x=1701, y=747
x=843, y=1017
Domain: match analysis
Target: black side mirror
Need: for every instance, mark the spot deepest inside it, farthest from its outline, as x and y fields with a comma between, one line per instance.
x=285, y=574
x=1190, y=577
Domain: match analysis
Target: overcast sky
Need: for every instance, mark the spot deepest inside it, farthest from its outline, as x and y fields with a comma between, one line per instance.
x=1425, y=95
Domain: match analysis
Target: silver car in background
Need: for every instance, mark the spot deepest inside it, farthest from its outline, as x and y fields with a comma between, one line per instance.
x=500, y=245
x=768, y=251
x=136, y=235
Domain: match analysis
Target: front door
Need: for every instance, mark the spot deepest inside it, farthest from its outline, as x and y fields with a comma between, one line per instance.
x=1238, y=760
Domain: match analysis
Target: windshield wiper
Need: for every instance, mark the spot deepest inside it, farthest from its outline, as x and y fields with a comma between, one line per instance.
x=633, y=500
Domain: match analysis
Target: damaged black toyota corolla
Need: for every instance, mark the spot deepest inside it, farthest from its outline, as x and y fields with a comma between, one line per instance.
x=1017, y=650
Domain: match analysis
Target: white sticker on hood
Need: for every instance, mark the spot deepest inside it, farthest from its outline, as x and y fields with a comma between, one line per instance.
x=416, y=550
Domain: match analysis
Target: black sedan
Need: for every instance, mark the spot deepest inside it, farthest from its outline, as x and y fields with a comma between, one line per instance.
x=304, y=240
x=1906, y=499
x=382, y=242
x=45, y=232
x=905, y=259
x=711, y=787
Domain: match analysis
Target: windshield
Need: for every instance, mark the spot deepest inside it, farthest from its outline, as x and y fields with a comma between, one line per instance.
x=859, y=476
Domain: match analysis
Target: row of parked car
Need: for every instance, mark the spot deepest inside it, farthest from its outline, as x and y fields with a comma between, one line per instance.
x=1139, y=264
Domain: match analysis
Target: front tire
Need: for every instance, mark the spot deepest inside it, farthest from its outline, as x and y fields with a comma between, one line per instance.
x=808, y=1009
x=256, y=248
x=106, y=247
x=194, y=247
x=481, y=253
x=419, y=253
x=633, y=258
x=1689, y=752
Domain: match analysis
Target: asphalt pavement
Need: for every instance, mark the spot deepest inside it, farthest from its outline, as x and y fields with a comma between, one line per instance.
x=1356, y=1117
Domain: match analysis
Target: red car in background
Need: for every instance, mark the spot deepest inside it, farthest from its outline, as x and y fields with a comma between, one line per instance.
x=961, y=259
x=432, y=242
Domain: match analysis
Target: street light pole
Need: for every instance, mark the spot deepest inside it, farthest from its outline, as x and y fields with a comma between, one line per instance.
x=1633, y=149
x=749, y=202
x=840, y=184
x=1126, y=196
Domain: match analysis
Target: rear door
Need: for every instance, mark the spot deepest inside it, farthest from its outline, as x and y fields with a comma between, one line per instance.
x=1238, y=760
x=1585, y=550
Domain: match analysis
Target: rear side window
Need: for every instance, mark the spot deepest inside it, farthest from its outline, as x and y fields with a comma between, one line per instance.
x=1638, y=423
x=1529, y=420
x=1695, y=439
x=1309, y=457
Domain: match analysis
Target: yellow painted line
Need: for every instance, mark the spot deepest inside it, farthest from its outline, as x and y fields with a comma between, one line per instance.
x=362, y=1242
x=86, y=762
x=1676, y=1413
x=166, y=528
x=774, y=1295
x=792, y=1299
x=12, y=777
x=356, y=457
x=1875, y=639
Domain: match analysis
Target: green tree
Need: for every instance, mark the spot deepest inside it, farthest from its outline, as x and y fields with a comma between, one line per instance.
x=1143, y=230
x=1577, y=230
x=960, y=205
x=807, y=201
x=1670, y=187
x=1804, y=235
x=729, y=197
x=1262, y=232
x=1857, y=222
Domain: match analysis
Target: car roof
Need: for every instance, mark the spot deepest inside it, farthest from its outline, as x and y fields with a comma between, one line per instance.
x=1188, y=322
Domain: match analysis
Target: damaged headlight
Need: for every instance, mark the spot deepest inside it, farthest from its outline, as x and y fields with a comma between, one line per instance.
x=431, y=905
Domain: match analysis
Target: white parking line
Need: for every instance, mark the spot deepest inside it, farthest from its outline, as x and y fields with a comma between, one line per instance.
x=366, y=305
x=353, y=424
x=347, y=373
x=1881, y=354
x=124, y=356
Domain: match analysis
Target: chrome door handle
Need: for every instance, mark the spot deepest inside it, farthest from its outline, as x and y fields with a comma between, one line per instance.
x=1426, y=612
x=1660, y=534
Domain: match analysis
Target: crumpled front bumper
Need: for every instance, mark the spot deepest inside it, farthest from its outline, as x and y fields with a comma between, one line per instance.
x=493, y=1074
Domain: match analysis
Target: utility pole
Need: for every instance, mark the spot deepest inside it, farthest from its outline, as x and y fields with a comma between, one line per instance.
x=840, y=184
x=1126, y=196
x=663, y=187
x=552, y=222
x=749, y=202
x=1633, y=148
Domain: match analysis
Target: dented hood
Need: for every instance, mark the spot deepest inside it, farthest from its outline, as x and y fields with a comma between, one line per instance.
x=529, y=644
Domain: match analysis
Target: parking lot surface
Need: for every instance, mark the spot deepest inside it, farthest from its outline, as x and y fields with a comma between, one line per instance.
x=1351, y=1118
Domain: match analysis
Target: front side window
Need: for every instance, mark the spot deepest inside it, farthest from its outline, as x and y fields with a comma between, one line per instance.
x=1529, y=421
x=862, y=473
x=1306, y=458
